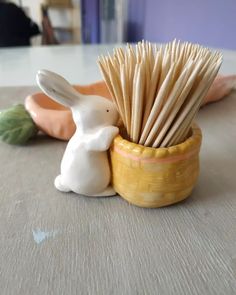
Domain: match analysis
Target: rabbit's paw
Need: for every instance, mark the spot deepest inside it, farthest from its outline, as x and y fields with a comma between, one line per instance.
x=61, y=187
x=110, y=132
x=101, y=140
x=107, y=135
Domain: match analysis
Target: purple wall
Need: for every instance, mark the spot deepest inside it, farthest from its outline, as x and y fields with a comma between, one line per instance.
x=136, y=20
x=209, y=22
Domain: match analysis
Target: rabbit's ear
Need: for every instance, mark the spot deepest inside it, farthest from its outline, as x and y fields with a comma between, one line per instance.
x=57, y=88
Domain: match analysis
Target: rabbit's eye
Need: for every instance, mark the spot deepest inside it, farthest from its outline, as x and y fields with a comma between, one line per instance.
x=107, y=111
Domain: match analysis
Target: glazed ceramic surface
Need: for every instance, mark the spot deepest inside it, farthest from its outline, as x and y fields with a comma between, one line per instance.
x=221, y=87
x=56, y=120
x=50, y=117
x=84, y=168
x=150, y=177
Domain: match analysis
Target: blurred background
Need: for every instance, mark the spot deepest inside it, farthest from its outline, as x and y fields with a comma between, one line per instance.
x=208, y=22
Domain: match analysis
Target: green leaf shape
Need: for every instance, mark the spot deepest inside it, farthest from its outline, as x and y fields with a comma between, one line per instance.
x=16, y=125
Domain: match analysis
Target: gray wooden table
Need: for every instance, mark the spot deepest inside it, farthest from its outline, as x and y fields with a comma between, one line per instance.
x=55, y=243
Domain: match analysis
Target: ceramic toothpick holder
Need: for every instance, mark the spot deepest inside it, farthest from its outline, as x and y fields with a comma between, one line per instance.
x=155, y=177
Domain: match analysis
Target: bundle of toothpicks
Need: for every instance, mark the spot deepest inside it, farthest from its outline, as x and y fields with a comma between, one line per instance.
x=159, y=90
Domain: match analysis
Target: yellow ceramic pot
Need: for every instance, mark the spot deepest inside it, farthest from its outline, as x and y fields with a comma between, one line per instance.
x=150, y=177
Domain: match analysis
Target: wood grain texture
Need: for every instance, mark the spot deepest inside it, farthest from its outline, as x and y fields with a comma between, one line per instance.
x=106, y=246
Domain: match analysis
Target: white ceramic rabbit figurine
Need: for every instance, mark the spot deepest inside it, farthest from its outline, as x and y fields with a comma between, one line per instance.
x=84, y=168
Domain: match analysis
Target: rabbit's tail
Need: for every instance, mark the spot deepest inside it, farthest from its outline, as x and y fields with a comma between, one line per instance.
x=59, y=184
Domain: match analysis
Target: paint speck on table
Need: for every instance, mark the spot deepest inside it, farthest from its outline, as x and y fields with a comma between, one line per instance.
x=39, y=235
